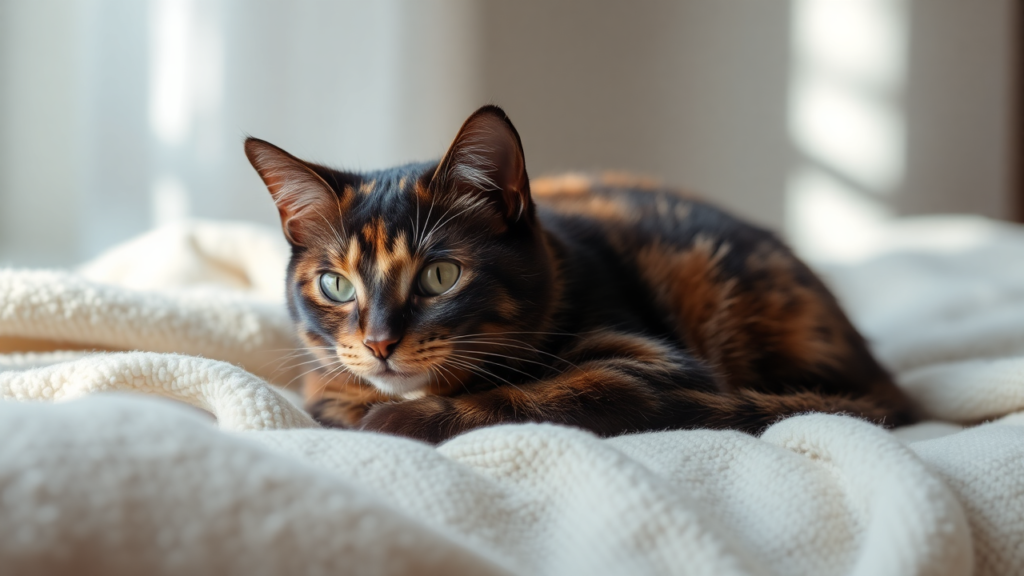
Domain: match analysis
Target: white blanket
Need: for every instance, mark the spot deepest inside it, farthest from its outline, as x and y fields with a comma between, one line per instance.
x=137, y=484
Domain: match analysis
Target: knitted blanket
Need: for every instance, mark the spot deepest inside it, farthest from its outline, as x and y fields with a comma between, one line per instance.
x=110, y=461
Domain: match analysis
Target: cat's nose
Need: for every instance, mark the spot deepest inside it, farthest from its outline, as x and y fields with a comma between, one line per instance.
x=381, y=346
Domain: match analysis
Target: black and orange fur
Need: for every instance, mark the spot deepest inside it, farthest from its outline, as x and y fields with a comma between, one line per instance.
x=604, y=303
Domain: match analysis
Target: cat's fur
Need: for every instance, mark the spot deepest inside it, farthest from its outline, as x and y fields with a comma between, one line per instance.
x=600, y=303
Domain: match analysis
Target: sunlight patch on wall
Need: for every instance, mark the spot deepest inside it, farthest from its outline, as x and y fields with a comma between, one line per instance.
x=170, y=201
x=849, y=133
x=169, y=103
x=837, y=221
x=846, y=122
x=185, y=101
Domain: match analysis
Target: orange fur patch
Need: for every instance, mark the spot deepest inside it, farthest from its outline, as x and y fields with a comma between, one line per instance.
x=505, y=304
x=394, y=260
x=616, y=179
x=564, y=185
x=375, y=233
x=603, y=208
x=422, y=192
x=733, y=329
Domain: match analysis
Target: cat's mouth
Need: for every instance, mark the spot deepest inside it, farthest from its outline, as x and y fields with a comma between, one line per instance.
x=395, y=383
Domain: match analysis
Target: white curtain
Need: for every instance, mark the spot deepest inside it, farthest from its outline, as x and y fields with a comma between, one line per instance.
x=119, y=114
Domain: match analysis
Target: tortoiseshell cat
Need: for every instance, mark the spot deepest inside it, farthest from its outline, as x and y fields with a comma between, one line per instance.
x=450, y=295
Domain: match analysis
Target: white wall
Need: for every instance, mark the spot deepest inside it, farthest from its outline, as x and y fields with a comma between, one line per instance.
x=819, y=118
x=959, y=107
x=118, y=114
x=693, y=93
x=39, y=156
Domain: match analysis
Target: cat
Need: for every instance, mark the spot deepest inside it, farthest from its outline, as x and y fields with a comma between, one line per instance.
x=446, y=296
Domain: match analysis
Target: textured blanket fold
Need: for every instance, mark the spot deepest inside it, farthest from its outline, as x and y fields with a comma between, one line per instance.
x=129, y=483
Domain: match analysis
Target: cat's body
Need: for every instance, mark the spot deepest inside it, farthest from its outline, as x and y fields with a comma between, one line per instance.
x=602, y=304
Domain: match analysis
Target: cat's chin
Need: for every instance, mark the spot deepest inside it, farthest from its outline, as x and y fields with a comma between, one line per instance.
x=400, y=385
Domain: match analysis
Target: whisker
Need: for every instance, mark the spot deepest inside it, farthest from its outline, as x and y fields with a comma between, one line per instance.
x=280, y=370
x=419, y=241
x=483, y=371
x=462, y=381
x=473, y=369
x=283, y=358
x=523, y=347
x=330, y=375
x=323, y=388
x=521, y=332
x=416, y=228
x=308, y=371
x=303, y=363
x=446, y=380
x=299, y=349
x=473, y=205
x=513, y=358
x=293, y=353
x=527, y=374
x=286, y=364
x=466, y=363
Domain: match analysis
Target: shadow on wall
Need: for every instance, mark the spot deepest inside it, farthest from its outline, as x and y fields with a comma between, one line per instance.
x=846, y=121
x=896, y=108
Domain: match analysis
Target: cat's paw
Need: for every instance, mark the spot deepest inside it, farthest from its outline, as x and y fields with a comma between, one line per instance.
x=333, y=413
x=425, y=419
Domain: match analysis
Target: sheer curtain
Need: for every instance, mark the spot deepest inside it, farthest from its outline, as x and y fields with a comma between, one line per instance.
x=120, y=115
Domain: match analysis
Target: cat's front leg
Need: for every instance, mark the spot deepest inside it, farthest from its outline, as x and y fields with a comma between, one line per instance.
x=429, y=419
x=337, y=412
x=606, y=397
x=338, y=401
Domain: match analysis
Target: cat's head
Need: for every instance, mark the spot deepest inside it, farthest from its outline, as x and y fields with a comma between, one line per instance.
x=411, y=277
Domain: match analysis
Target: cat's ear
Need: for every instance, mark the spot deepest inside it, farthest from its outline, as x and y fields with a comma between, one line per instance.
x=487, y=158
x=306, y=202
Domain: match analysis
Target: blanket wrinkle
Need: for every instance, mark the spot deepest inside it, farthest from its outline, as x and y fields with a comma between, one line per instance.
x=980, y=466
x=141, y=487
x=57, y=305
x=101, y=473
x=239, y=400
x=997, y=388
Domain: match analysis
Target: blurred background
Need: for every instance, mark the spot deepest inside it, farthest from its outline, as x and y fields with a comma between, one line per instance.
x=821, y=119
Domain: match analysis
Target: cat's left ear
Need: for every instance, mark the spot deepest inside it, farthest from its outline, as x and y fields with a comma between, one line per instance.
x=487, y=158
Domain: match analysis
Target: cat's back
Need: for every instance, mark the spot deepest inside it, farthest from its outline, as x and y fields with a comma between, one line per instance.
x=727, y=290
x=657, y=231
x=633, y=212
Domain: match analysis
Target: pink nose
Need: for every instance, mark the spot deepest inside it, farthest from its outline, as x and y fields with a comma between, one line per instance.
x=381, y=347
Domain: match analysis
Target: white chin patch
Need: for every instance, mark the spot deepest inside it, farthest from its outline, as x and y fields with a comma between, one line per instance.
x=405, y=386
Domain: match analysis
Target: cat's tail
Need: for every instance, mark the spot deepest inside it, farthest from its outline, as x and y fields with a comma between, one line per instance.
x=752, y=411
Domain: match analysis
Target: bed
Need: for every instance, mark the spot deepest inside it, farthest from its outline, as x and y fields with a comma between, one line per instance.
x=146, y=428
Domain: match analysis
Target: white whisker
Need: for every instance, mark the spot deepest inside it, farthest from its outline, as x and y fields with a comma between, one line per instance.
x=481, y=371
x=509, y=357
x=524, y=346
x=465, y=358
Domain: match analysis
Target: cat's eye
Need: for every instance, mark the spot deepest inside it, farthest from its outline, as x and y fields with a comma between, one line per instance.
x=336, y=287
x=438, y=278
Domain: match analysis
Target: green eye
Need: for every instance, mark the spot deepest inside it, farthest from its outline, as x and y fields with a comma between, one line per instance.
x=438, y=278
x=336, y=287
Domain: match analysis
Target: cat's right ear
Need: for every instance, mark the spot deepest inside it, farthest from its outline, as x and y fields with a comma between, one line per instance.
x=486, y=158
x=306, y=203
